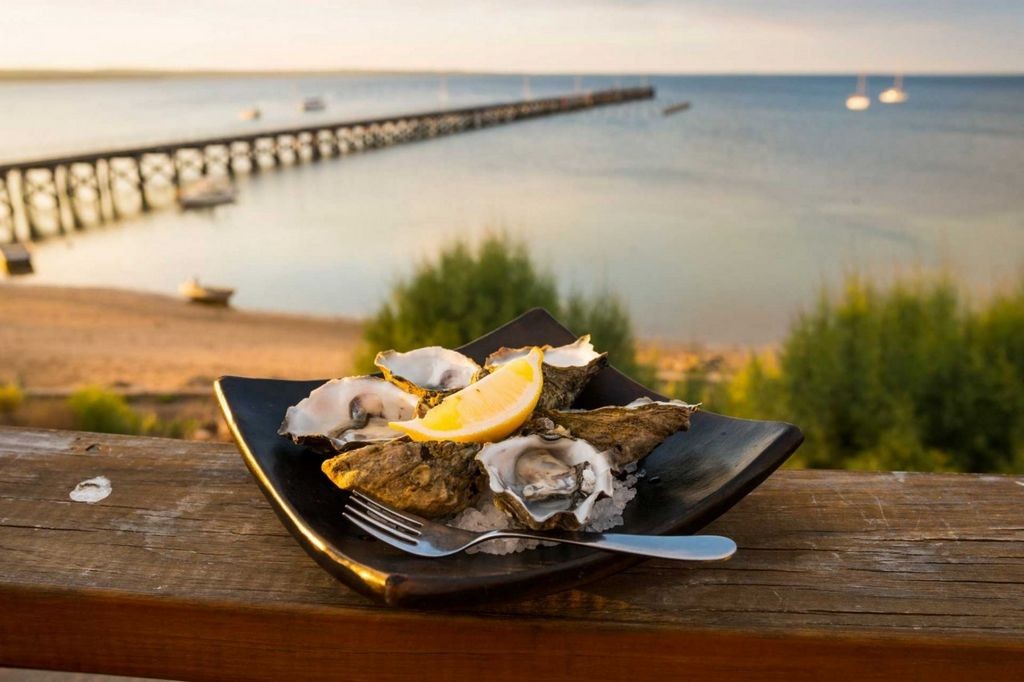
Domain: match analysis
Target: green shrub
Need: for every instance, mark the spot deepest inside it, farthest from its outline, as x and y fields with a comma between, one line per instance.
x=607, y=320
x=468, y=291
x=11, y=398
x=102, y=411
x=909, y=377
x=152, y=425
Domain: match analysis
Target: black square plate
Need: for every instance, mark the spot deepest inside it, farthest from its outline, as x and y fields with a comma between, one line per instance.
x=692, y=478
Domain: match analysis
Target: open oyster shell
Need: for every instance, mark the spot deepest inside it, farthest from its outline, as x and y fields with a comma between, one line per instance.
x=627, y=434
x=546, y=481
x=433, y=373
x=432, y=479
x=567, y=369
x=346, y=413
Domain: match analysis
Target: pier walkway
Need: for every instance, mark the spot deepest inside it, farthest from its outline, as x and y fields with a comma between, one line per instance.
x=47, y=197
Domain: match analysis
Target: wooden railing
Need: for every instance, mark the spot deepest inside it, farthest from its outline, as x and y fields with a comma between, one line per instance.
x=50, y=196
x=184, y=572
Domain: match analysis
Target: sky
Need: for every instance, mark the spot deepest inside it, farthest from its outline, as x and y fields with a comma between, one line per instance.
x=518, y=36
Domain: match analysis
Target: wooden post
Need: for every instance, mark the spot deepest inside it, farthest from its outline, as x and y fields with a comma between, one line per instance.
x=6, y=214
x=20, y=225
x=67, y=214
x=142, y=185
x=103, y=187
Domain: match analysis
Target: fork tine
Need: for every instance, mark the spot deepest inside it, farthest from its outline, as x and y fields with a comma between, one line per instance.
x=377, y=529
x=384, y=537
x=370, y=502
x=355, y=503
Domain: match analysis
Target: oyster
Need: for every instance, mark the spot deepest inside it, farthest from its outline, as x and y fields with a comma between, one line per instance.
x=433, y=373
x=345, y=413
x=567, y=369
x=627, y=433
x=432, y=479
x=546, y=481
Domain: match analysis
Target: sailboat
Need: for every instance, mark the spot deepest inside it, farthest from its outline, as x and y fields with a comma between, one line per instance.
x=859, y=101
x=894, y=95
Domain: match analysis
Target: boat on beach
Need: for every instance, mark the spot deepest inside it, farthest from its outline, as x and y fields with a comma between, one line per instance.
x=251, y=114
x=195, y=292
x=15, y=259
x=207, y=193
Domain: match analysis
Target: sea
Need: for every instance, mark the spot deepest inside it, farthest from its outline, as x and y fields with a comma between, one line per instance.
x=715, y=225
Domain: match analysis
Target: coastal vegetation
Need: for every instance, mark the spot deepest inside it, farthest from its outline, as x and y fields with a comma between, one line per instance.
x=913, y=376
x=916, y=375
x=11, y=397
x=467, y=291
x=100, y=410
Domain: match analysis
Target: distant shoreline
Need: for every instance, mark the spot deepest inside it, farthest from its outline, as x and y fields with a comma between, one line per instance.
x=144, y=74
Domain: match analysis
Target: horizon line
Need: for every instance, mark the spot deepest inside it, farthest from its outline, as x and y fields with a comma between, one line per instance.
x=9, y=74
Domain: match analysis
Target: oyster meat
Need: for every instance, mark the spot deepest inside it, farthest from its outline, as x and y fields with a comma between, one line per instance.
x=546, y=481
x=567, y=369
x=346, y=413
x=433, y=373
x=627, y=434
x=433, y=479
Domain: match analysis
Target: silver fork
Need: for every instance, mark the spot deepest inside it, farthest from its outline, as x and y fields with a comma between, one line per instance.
x=417, y=535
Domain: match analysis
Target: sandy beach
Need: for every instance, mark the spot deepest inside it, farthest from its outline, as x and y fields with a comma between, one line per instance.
x=59, y=338
x=163, y=354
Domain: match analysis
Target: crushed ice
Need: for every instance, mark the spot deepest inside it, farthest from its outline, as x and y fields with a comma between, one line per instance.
x=484, y=516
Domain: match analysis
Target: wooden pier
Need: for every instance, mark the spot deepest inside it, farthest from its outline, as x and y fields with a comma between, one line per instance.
x=41, y=198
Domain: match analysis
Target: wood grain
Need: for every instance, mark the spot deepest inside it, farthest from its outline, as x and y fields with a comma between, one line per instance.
x=184, y=572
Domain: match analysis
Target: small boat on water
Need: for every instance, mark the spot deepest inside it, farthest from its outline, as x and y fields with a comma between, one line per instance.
x=195, y=292
x=207, y=193
x=15, y=259
x=675, y=108
x=251, y=114
x=313, y=104
x=859, y=101
x=894, y=95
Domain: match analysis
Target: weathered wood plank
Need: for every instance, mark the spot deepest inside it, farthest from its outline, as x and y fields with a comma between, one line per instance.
x=183, y=571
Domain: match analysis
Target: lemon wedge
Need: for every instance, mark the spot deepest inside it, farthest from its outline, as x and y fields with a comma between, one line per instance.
x=485, y=411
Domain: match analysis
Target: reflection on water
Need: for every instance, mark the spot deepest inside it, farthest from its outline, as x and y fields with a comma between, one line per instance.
x=715, y=224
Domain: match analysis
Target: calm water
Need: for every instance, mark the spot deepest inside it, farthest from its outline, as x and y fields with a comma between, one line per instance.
x=716, y=224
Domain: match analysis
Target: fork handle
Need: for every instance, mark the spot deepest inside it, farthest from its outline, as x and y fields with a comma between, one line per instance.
x=676, y=547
